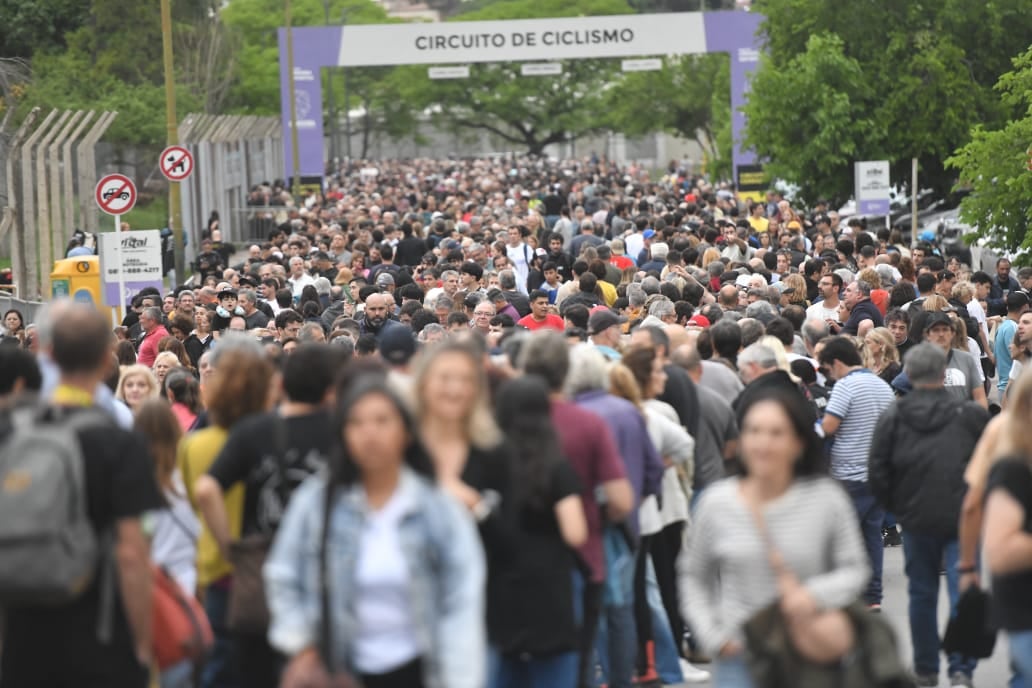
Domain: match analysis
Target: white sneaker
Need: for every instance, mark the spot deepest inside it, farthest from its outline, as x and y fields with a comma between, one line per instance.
x=693, y=674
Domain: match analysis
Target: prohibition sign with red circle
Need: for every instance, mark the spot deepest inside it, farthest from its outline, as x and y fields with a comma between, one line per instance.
x=115, y=194
x=176, y=163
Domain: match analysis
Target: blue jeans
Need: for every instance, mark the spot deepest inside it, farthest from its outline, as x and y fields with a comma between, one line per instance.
x=731, y=672
x=668, y=664
x=923, y=554
x=557, y=671
x=220, y=668
x=870, y=516
x=617, y=644
x=1021, y=658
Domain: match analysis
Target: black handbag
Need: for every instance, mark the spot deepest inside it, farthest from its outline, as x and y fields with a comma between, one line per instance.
x=971, y=631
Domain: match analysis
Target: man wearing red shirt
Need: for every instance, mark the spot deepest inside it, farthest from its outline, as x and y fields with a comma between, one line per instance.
x=539, y=317
x=153, y=331
x=621, y=261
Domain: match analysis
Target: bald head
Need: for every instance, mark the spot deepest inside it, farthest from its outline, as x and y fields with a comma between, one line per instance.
x=727, y=297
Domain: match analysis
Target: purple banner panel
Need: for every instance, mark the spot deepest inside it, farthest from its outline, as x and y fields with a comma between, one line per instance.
x=315, y=47
x=736, y=33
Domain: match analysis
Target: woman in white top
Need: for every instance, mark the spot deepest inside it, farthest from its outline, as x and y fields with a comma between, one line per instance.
x=639, y=378
x=175, y=529
x=725, y=573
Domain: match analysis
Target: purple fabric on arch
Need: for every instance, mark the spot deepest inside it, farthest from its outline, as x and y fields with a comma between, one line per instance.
x=736, y=33
x=315, y=47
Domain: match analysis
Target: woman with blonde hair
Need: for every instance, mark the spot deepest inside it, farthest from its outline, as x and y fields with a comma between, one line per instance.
x=1007, y=531
x=798, y=285
x=639, y=378
x=775, y=345
x=163, y=363
x=710, y=255
x=241, y=385
x=137, y=384
x=880, y=354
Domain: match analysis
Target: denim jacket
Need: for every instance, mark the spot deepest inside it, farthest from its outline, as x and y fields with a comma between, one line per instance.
x=446, y=568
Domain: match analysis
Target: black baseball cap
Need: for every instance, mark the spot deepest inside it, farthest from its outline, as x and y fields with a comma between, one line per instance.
x=602, y=319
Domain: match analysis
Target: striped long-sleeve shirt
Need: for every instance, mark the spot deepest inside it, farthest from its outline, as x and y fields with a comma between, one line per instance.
x=724, y=576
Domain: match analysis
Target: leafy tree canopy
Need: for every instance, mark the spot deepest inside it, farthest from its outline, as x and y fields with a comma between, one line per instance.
x=909, y=79
x=996, y=166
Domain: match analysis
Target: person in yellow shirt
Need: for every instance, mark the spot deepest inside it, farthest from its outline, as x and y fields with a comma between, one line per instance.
x=757, y=221
x=241, y=385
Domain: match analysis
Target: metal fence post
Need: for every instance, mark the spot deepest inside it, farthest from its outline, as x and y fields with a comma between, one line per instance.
x=69, y=178
x=29, y=284
x=44, y=248
x=13, y=217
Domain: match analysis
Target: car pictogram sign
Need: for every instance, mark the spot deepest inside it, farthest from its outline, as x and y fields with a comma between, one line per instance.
x=176, y=163
x=115, y=194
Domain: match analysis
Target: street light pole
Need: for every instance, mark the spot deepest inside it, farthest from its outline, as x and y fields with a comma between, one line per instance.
x=172, y=137
x=347, y=99
x=334, y=117
x=295, y=147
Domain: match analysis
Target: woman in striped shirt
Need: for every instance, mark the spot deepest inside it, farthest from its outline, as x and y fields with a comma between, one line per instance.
x=725, y=574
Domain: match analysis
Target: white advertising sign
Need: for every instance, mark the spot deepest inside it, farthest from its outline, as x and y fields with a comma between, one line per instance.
x=541, y=69
x=140, y=252
x=648, y=64
x=522, y=40
x=872, y=187
x=460, y=72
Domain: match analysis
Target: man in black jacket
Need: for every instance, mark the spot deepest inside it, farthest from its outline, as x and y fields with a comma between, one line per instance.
x=916, y=470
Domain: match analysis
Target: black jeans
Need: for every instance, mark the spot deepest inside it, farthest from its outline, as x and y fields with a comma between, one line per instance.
x=592, y=609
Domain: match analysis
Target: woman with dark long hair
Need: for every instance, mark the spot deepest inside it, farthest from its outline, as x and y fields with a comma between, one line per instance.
x=375, y=572
x=534, y=634
x=781, y=531
x=184, y=395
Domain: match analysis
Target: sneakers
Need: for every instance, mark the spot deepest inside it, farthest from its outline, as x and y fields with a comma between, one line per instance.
x=891, y=537
x=926, y=679
x=693, y=674
x=961, y=679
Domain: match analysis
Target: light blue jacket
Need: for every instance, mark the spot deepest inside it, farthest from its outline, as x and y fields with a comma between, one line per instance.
x=446, y=567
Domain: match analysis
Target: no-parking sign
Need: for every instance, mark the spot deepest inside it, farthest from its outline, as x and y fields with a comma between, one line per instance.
x=115, y=194
x=176, y=163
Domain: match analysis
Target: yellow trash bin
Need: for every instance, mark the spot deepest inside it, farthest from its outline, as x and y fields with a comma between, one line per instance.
x=77, y=279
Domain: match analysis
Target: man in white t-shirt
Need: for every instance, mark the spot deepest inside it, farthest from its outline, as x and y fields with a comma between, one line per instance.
x=519, y=255
x=827, y=308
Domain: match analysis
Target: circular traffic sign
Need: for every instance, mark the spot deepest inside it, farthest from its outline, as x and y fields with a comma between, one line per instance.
x=176, y=163
x=115, y=194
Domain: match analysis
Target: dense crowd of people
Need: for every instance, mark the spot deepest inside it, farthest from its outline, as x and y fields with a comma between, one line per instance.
x=516, y=423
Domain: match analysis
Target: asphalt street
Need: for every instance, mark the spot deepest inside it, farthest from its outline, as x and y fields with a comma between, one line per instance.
x=991, y=673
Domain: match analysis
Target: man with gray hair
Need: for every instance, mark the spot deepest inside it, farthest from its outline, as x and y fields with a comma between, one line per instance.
x=664, y=310
x=864, y=316
x=920, y=450
x=253, y=316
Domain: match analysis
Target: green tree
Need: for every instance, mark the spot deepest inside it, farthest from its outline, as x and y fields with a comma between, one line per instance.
x=31, y=26
x=528, y=112
x=254, y=25
x=811, y=119
x=689, y=97
x=923, y=73
x=996, y=166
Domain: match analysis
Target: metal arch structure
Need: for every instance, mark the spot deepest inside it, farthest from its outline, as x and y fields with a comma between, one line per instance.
x=517, y=40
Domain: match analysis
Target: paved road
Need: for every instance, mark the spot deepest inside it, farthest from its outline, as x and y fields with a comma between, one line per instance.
x=991, y=673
